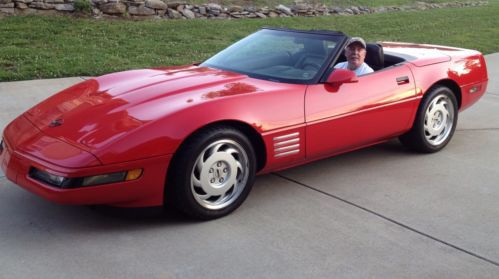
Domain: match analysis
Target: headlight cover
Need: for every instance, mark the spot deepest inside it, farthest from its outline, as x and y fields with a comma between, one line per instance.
x=77, y=182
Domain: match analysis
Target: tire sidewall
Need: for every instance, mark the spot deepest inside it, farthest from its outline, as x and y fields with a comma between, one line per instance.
x=422, y=112
x=184, y=197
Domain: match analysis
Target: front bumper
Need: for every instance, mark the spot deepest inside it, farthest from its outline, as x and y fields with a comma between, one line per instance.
x=148, y=190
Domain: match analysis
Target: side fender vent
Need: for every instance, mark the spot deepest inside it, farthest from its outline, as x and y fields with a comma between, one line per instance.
x=286, y=145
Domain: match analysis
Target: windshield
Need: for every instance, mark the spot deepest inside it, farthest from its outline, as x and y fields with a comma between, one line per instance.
x=284, y=56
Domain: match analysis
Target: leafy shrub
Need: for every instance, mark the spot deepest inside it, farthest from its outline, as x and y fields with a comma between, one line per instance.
x=83, y=6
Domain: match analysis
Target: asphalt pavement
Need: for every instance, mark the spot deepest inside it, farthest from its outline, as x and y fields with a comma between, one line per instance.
x=379, y=212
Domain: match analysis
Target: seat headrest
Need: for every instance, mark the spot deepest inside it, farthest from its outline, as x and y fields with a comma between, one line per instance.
x=375, y=57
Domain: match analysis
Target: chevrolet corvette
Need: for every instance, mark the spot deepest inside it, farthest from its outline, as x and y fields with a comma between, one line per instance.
x=195, y=136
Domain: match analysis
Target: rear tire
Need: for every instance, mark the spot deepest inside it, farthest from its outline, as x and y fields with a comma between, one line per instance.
x=435, y=122
x=212, y=173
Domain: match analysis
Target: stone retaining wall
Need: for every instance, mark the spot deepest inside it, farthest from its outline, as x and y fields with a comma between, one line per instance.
x=182, y=10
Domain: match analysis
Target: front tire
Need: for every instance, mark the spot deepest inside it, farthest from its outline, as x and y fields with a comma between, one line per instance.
x=435, y=122
x=212, y=173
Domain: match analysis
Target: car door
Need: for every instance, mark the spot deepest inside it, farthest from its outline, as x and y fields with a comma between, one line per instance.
x=378, y=106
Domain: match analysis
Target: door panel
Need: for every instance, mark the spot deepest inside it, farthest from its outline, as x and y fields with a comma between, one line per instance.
x=377, y=107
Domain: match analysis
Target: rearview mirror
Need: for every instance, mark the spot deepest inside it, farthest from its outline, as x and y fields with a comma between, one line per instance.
x=339, y=76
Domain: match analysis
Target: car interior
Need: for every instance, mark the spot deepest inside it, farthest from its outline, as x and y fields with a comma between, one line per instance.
x=307, y=61
x=376, y=58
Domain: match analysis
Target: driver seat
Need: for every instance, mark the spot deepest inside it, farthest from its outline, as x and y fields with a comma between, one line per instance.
x=375, y=57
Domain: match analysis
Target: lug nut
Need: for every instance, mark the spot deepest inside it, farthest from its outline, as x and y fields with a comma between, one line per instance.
x=221, y=180
x=225, y=170
x=210, y=170
x=212, y=180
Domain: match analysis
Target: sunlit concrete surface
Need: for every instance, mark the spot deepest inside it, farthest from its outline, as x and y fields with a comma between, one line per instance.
x=380, y=212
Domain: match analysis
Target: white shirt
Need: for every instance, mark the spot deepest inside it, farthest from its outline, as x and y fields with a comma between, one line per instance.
x=361, y=70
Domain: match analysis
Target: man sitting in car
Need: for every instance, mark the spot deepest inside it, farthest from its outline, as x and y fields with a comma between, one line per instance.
x=355, y=53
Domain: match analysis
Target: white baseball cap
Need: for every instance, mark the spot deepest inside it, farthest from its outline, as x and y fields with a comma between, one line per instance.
x=357, y=40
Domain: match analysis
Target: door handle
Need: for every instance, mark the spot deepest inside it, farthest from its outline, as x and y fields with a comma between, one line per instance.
x=402, y=80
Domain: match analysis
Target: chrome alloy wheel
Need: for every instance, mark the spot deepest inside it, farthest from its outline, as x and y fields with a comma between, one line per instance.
x=439, y=120
x=220, y=174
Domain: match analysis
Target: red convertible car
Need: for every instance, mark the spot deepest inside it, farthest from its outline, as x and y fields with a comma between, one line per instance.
x=195, y=136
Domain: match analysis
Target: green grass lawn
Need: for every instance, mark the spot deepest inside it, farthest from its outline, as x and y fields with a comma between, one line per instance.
x=341, y=3
x=377, y=3
x=48, y=47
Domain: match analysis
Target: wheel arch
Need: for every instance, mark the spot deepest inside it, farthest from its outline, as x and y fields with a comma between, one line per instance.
x=452, y=85
x=253, y=136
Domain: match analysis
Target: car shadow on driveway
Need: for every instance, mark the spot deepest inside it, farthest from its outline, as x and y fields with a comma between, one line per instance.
x=24, y=203
x=36, y=212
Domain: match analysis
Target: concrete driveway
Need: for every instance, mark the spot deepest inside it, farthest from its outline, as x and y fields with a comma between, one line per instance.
x=380, y=212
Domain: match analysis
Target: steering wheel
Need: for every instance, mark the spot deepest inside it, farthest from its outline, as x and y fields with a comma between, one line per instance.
x=313, y=65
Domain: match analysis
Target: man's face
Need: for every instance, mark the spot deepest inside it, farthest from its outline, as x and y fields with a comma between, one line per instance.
x=355, y=54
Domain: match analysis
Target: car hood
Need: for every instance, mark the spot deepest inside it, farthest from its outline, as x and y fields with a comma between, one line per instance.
x=98, y=111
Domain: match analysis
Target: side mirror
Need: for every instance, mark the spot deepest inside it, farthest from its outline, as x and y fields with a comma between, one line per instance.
x=339, y=76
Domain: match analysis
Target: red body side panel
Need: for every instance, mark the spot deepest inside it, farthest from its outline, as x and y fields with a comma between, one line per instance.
x=137, y=120
x=285, y=147
x=375, y=108
x=135, y=115
x=431, y=64
x=263, y=105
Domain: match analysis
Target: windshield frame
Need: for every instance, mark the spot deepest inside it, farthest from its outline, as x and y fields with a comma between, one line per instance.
x=341, y=40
